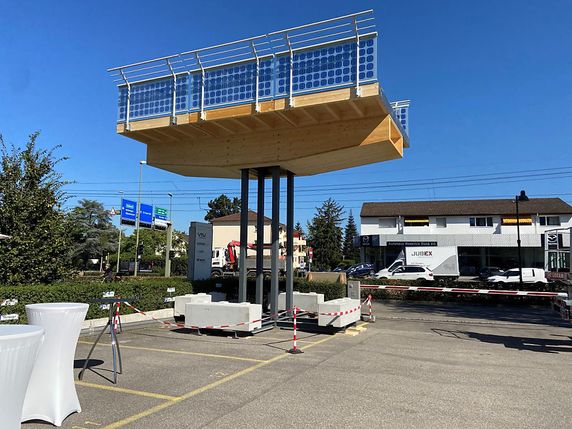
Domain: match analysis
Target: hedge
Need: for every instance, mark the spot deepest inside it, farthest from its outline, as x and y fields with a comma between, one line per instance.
x=146, y=294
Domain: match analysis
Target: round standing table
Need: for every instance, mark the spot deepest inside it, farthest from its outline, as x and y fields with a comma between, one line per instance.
x=19, y=345
x=51, y=394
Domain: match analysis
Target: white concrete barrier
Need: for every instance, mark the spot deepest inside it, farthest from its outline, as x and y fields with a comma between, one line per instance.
x=180, y=301
x=304, y=301
x=223, y=315
x=340, y=305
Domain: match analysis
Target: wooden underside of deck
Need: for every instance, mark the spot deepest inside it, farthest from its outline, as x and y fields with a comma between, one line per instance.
x=321, y=132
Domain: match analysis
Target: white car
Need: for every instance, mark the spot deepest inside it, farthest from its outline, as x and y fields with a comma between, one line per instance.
x=529, y=275
x=407, y=272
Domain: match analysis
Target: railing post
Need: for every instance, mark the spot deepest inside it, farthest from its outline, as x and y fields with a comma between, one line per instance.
x=174, y=108
x=128, y=107
x=291, y=91
x=256, y=105
x=202, y=114
x=358, y=91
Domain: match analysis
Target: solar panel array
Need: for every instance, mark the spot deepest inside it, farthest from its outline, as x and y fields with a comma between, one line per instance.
x=313, y=70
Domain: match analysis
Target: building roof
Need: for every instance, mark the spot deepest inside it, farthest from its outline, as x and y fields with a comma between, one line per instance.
x=252, y=216
x=465, y=207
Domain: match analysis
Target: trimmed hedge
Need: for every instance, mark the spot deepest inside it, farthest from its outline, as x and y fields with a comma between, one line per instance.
x=146, y=294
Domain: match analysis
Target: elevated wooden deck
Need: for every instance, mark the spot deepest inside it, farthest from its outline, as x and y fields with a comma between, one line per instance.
x=321, y=132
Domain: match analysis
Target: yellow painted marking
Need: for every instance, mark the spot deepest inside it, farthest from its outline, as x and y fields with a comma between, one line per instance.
x=120, y=423
x=256, y=337
x=78, y=427
x=361, y=325
x=92, y=423
x=180, y=352
x=124, y=390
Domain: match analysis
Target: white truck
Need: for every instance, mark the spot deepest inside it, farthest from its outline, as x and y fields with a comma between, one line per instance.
x=225, y=261
x=443, y=261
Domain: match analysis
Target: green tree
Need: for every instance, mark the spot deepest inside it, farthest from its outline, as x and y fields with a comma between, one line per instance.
x=350, y=233
x=31, y=199
x=93, y=233
x=325, y=235
x=298, y=228
x=154, y=243
x=222, y=206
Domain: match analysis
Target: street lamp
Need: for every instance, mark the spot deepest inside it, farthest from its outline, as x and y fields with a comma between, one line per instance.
x=169, y=238
x=138, y=218
x=519, y=198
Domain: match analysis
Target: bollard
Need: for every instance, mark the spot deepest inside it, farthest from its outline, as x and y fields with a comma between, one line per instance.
x=295, y=349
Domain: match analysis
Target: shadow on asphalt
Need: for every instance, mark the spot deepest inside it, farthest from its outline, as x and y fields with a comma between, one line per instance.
x=496, y=313
x=524, y=343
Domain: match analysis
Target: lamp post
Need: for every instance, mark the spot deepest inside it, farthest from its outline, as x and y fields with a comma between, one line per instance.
x=120, y=231
x=519, y=198
x=138, y=217
x=169, y=238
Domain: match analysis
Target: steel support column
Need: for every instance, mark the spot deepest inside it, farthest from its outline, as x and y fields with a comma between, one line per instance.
x=243, y=234
x=290, y=240
x=260, y=238
x=275, y=240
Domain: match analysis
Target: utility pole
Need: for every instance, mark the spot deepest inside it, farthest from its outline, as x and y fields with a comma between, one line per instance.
x=120, y=233
x=138, y=218
x=169, y=238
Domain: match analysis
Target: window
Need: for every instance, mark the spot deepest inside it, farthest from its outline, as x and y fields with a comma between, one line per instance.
x=387, y=222
x=441, y=222
x=414, y=269
x=481, y=221
x=416, y=221
x=549, y=220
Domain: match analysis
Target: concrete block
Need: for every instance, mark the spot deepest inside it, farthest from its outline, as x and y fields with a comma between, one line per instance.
x=180, y=301
x=339, y=305
x=223, y=313
x=305, y=301
x=217, y=296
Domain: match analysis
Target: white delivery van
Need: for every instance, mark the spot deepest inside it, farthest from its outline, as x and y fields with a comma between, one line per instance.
x=442, y=261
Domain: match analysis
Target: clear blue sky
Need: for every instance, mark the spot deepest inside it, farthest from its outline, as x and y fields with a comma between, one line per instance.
x=489, y=83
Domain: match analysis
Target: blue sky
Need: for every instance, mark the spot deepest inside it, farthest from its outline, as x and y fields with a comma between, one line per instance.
x=489, y=83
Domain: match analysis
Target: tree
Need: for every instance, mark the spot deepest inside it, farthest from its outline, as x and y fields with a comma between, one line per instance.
x=31, y=199
x=350, y=233
x=298, y=228
x=93, y=233
x=222, y=206
x=325, y=235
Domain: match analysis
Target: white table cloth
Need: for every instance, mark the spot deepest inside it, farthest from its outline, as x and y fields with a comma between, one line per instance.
x=19, y=346
x=51, y=394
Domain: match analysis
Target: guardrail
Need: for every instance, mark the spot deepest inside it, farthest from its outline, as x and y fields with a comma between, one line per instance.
x=334, y=53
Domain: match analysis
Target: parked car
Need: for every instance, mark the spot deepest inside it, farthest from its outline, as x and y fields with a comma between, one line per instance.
x=487, y=272
x=529, y=275
x=408, y=272
x=340, y=268
x=360, y=270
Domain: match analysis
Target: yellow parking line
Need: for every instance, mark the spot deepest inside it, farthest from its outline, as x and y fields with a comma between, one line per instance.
x=180, y=352
x=120, y=423
x=129, y=391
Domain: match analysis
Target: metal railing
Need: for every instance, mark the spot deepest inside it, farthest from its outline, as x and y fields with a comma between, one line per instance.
x=327, y=54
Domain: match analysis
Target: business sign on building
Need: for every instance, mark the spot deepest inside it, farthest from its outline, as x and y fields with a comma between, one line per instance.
x=412, y=243
x=369, y=240
x=200, y=250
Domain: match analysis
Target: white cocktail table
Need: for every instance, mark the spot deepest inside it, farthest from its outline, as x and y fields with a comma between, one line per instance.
x=51, y=394
x=19, y=345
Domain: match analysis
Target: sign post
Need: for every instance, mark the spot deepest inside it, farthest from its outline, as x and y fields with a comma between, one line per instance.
x=310, y=257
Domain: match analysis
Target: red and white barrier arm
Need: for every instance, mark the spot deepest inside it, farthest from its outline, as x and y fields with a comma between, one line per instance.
x=461, y=290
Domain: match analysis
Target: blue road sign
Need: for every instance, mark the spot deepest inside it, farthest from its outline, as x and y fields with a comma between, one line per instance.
x=161, y=214
x=146, y=216
x=128, y=212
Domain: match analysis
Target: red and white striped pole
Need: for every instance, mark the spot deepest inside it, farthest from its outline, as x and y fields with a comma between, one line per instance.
x=116, y=318
x=295, y=349
x=369, y=297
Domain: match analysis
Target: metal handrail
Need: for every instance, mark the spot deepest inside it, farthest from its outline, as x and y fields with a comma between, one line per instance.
x=265, y=46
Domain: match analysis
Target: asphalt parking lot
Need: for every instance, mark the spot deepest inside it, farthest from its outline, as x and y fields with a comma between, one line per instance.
x=419, y=365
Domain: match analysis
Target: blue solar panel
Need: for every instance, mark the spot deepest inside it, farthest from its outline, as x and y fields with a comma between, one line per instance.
x=314, y=70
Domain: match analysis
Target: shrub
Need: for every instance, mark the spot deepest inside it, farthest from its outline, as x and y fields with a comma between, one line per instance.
x=146, y=294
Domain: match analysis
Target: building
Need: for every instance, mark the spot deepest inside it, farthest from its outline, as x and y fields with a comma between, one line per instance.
x=227, y=229
x=483, y=230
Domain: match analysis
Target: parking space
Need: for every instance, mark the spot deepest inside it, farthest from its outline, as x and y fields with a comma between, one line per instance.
x=419, y=365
